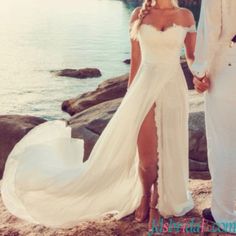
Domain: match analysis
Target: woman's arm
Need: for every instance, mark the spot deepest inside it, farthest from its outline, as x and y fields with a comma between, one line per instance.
x=135, y=50
x=190, y=44
x=190, y=40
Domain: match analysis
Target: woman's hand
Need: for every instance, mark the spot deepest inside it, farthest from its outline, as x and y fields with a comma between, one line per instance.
x=201, y=84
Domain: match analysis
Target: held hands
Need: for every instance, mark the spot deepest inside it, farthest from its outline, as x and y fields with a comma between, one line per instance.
x=201, y=84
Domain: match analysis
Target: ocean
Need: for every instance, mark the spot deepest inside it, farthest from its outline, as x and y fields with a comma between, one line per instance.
x=38, y=37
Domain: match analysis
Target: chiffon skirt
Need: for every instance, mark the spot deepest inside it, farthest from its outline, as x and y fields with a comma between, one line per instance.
x=45, y=180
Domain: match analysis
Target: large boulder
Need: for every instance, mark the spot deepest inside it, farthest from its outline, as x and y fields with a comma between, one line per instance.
x=198, y=163
x=12, y=129
x=198, y=146
x=90, y=123
x=106, y=91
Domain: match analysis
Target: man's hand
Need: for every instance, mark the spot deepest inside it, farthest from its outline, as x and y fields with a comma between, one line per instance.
x=201, y=84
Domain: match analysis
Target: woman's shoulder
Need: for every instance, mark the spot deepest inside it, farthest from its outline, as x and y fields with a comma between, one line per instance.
x=186, y=16
x=135, y=14
x=185, y=11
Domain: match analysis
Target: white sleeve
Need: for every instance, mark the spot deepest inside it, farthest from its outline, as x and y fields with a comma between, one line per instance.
x=192, y=29
x=208, y=33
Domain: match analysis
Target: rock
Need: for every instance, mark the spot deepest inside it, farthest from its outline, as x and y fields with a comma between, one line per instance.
x=13, y=128
x=81, y=73
x=205, y=175
x=107, y=90
x=187, y=73
x=197, y=144
x=197, y=165
x=127, y=61
x=90, y=123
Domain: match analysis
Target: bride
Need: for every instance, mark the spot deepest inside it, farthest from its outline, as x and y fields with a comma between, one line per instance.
x=140, y=161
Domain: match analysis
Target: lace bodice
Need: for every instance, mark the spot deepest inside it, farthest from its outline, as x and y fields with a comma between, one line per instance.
x=160, y=47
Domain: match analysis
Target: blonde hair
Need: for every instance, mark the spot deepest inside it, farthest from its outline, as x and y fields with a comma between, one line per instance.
x=146, y=7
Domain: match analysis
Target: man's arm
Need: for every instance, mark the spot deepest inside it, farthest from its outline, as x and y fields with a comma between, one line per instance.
x=209, y=30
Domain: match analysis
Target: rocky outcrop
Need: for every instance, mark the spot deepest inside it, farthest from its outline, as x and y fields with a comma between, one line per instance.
x=108, y=90
x=198, y=147
x=13, y=128
x=81, y=73
x=90, y=123
x=127, y=61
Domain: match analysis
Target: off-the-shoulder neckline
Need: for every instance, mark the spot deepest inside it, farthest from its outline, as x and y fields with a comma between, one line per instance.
x=169, y=27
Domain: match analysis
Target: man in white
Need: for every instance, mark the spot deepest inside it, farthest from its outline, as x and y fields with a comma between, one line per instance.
x=215, y=70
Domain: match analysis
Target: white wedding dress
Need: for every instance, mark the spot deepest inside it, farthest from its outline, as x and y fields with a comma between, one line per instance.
x=46, y=182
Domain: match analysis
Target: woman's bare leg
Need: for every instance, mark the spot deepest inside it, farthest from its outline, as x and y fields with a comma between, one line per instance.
x=147, y=147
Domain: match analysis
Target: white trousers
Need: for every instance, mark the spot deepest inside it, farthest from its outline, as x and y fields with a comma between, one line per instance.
x=221, y=137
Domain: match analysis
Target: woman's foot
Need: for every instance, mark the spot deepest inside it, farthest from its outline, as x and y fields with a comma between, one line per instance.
x=154, y=216
x=154, y=219
x=141, y=213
